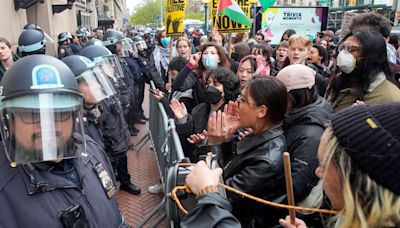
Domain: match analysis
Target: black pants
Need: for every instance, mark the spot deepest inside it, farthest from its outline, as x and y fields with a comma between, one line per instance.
x=141, y=85
x=120, y=167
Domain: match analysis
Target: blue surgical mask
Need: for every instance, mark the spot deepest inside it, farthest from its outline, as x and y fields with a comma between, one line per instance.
x=209, y=61
x=165, y=41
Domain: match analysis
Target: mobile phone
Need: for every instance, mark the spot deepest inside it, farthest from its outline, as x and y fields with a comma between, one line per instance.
x=152, y=91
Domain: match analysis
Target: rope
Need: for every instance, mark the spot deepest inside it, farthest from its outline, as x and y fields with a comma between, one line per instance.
x=266, y=202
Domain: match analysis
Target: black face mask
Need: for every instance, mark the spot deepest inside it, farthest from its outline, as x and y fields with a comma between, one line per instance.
x=212, y=95
x=235, y=56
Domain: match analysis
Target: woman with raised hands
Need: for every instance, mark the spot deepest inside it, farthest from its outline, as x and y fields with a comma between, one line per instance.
x=256, y=165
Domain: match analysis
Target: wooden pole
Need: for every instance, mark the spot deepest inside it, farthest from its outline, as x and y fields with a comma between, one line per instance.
x=289, y=186
x=171, y=48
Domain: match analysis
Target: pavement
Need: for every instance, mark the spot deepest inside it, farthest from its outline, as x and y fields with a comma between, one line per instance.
x=144, y=173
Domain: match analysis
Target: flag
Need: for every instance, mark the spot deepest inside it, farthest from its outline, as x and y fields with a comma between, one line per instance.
x=265, y=4
x=231, y=9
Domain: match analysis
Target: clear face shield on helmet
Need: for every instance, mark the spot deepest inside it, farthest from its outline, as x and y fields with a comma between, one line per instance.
x=41, y=127
x=141, y=45
x=95, y=86
x=125, y=49
x=110, y=66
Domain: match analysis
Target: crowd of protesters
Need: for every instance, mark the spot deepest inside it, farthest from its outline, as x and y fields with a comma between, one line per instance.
x=331, y=102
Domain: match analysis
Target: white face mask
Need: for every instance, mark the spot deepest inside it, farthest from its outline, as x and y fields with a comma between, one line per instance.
x=346, y=61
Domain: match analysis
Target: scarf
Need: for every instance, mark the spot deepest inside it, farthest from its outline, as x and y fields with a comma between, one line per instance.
x=161, y=55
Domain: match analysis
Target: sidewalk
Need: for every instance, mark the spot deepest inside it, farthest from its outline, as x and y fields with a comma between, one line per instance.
x=143, y=169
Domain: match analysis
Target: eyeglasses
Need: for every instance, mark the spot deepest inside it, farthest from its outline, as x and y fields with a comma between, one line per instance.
x=241, y=99
x=34, y=117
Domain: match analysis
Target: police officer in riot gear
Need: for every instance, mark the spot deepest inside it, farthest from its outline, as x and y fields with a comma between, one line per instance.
x=119, y=45
x=116, y=133
x=51, y=174
x=63, y=45
x=95, y=87
x=31, y=41
x=82, y=33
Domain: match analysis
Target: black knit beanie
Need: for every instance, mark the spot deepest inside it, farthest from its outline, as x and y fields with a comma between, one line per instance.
x=371, y=137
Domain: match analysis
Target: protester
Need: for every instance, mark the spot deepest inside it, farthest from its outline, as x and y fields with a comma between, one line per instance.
x=364, y=67
x=264, y=55
x=7, y=57
x=299, y=47
x=159, y=59
x=184, y=48
x=256, y=167
x=239, y=51
x=317, y=56
x=287, y=34
x=281, y=57
x=222, y=87
x=372, y=21
x=246, y=70
x=193, y=76
x=303, y=126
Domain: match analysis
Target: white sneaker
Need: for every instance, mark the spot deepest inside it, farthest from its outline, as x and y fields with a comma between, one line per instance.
x=157, y=188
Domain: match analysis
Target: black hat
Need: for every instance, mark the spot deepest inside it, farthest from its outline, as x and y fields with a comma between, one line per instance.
x=371, y=137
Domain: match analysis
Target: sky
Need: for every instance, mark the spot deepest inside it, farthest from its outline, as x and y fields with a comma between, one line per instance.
x=131, y=4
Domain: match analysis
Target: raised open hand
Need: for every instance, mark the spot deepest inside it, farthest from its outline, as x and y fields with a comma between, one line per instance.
x=179, y=109
x=198, y=138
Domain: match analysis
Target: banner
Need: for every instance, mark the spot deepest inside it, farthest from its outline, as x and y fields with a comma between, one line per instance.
x=174, y=17
x=225, y=25
x=304, y=20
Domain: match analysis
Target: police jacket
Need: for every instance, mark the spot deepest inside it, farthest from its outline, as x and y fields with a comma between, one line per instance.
x=114, y=127
x=303, y=128
x=144, y=68
x=257, y=169
x=76, y=48
x=126, y=86
x=25, y=204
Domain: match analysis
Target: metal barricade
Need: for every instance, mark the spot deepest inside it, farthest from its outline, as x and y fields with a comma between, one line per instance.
x=166, y=146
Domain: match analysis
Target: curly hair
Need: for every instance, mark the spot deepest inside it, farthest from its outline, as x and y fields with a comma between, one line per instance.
x=229, y=80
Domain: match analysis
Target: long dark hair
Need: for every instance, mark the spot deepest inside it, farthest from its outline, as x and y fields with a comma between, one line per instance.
x=373, y=60
x=303, y=97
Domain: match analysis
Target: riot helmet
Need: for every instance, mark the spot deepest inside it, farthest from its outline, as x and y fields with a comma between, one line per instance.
x=32, y=26
x=31, y=41
x=63, y=37
x=140, y=44
x=81, y=32
x=94, y=42
x=93, y=84
x=103, y=58
x=116, y=42
x=41, y=111
x=111, y=37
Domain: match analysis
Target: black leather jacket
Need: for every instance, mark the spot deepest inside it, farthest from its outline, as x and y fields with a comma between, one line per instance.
x=303, y=129
x=257, y=169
